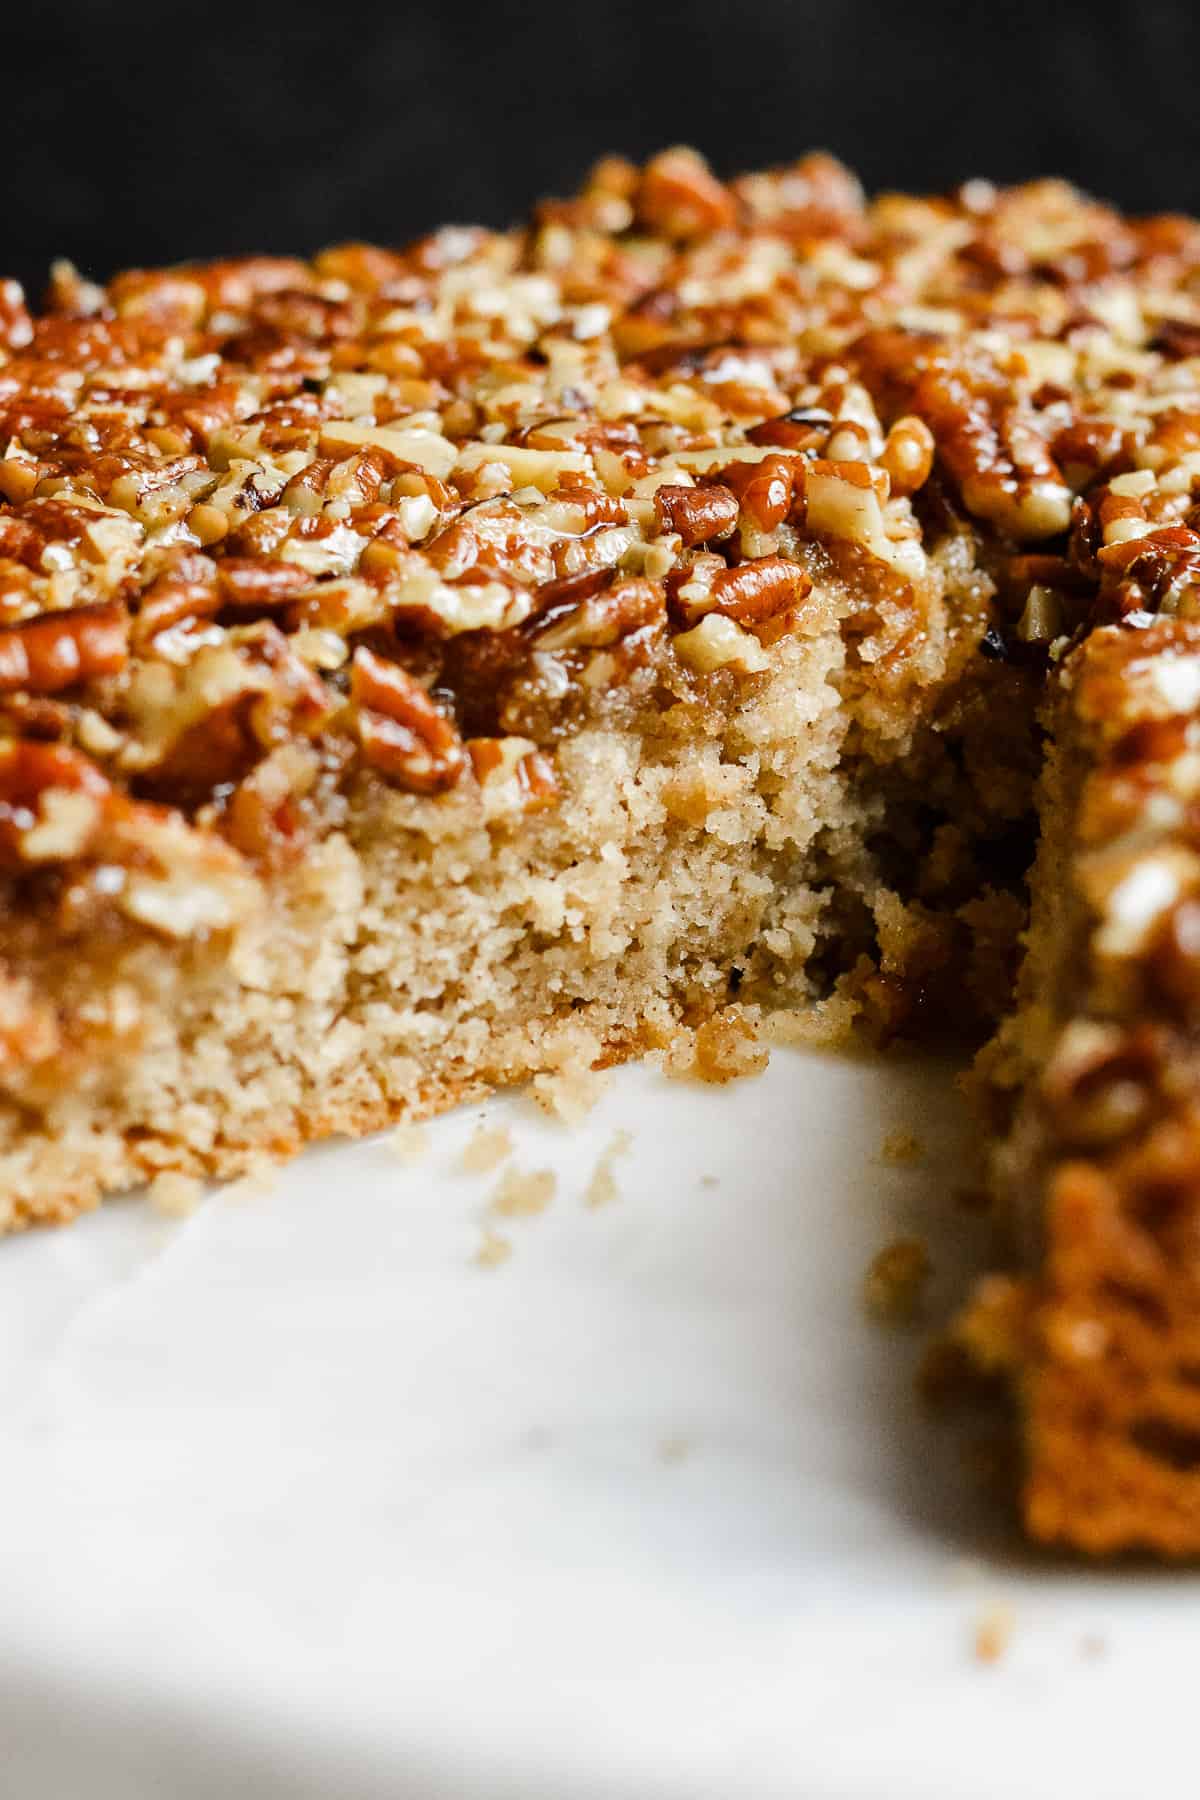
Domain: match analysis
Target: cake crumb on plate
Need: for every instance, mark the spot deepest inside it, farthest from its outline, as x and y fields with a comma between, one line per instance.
x=727, y=1047
x=258, y=1180
x=992, y=1632
x=522, y=1193
x=493, y=1250
x=569, y=1093
x=408, y=1143
x=175, y=1196
x=485, y=1150
x=895, y=1281
x=602, y=1188
x=902, y=1149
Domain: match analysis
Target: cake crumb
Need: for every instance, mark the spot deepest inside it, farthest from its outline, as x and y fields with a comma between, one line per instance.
x=175, y=1196
x=493, y=1250
x=602, y=1188
x=569, y=1093
x=674, y=1449
x=827, y=1024
x=726, y=1047
x=520, y=1193
x=993, y=1632
x=486, y=1149
x=895, y=1281
x=260, y=1177
x=902, y=1149
x=408, y=1143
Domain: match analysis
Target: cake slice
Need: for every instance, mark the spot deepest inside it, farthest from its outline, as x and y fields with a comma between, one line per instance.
x=424, y=671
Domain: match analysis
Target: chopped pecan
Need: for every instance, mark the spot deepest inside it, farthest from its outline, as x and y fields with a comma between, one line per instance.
x=16, y=326
x=604, y=617
x=187, y=589
x=994, y=450
x=763, y=489
x=1101, y=1083
x=402, y=732
x=265, y=817
x=1177, y=339
x=1158, y=572
x=751, y=593
x=29, y=774
x=256, y=585
x=296, y=313
x=240, y=281
x=698, y=514
x=908, y=454
x=804, y=428
x=62, y=649
x=680, y=196
x=215, y=717
x=496, y=760
x=1174, y=962
x=1089, y=448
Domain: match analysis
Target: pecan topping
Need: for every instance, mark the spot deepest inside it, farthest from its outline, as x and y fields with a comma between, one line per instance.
x=16, y=326
x=1156, y=572
x=764, y=489
x=908, y=455
x=996, y=453
x=401, y=731
x=605, y=617
x=62, y=649
x=681, y=197
x=804, y=428
x=750, y=594
x=259, y=585
x=698, y=514
x=30, y=775
x=1177, y=338
x=490, y=468
x=185, y=591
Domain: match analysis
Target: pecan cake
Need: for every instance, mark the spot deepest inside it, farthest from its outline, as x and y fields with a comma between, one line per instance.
x=433, y=669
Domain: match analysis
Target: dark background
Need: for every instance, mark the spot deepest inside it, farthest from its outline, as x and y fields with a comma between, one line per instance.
x=147, y=133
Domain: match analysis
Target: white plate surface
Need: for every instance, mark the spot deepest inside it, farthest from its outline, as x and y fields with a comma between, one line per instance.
x=298, y=1500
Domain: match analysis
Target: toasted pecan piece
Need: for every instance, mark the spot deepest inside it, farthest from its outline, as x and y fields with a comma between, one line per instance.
x=402, y=732
x=62, y=649
x=700, y=515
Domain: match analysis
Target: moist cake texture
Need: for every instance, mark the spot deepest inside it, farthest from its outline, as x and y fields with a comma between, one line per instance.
x=425, y=670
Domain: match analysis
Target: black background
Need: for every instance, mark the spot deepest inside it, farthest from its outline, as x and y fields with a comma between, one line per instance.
x=148, y=133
